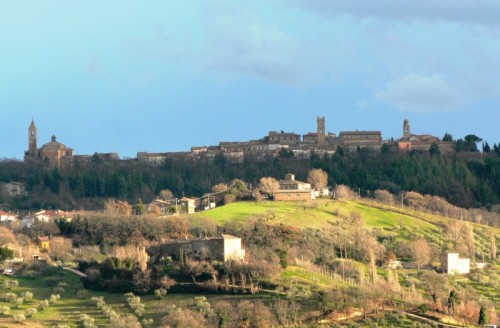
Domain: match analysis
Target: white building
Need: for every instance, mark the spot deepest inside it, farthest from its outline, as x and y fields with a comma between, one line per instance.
x=7, y=216
x=222, y=248
x=453, y=264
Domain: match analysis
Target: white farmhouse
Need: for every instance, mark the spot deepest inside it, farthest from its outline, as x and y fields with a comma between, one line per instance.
x=453, y=264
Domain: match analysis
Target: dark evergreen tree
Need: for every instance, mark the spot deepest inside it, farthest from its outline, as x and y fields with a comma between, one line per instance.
x=486, y=147
x=434, y=150
x=447, y=137
x=483, y=316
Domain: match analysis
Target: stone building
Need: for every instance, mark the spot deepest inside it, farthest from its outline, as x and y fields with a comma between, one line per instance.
x=52, y=154
x=293, y=190
x=319, y=138
x=283, y=138
x=13, y=188
x=351, y=140
x=423, y=142
x=223, y=248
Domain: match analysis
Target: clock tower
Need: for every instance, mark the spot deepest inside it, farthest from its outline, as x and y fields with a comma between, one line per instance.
x=406, y=129
x=32, y=138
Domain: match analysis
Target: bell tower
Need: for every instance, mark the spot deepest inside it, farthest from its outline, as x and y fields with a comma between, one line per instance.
x=32, y=136
x=406, y=129
x=321, y=130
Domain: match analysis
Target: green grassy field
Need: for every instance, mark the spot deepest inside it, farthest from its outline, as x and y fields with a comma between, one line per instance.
x=400, y=222
x=315, y=215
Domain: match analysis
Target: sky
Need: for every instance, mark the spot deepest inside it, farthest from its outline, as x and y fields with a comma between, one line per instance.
x=159, y=76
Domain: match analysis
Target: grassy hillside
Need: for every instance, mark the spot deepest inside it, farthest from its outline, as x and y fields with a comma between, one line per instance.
x=300, y=279
x=403, y=223
x=315, y=215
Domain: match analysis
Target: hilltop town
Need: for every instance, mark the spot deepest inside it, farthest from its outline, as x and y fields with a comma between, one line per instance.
x=203, y=238
x=276, y=143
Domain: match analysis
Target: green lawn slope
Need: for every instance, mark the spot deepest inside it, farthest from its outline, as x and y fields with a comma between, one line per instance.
x=318, y=214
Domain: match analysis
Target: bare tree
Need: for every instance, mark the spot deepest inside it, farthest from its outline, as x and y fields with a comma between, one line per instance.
x=154, y=209
x=319, y=179
x=414, y=199
x=60, y=248
x=184, y=318
x=384, y=196
x=6, y=236
x=493, y=247
x=421, y=252
x=269, y=185
x=469, y=240
x=220, y=187
x=166, y=194
x=437, y=286
x=343, y=191
x=112, y=206
x=454, y=228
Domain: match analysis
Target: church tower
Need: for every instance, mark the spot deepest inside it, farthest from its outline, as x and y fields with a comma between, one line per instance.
x=406, y=129
x=32, y=136
x=321, y=130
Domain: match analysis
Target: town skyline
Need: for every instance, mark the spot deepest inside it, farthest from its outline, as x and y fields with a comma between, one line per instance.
x=167, y=76
x=304, y=138
x=45, y=136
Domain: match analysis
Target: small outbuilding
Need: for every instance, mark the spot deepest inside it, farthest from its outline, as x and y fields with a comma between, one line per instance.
x=453, y=264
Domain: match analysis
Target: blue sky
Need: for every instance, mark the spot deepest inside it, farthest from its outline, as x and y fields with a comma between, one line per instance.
x=128, y=76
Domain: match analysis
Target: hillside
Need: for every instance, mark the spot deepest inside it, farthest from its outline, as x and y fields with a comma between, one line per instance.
x=313, y=273
x=323, y=213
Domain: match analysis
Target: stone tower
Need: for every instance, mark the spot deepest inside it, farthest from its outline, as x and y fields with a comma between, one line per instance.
x=406, y=129
x=32, y=136
x=321, y=130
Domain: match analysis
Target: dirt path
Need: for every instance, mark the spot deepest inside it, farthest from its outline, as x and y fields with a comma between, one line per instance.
x=79, y=273
x=428, y=320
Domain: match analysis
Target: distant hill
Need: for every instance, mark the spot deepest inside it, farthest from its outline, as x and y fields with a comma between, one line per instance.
x=465, y=183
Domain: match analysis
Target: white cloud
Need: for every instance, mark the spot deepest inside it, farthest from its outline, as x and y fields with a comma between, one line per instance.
x=482, y=12
x=240, y=42
x=421, y=94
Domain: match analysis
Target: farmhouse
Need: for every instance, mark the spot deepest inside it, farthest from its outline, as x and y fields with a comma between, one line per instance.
x=293, y=190
x=7, y=216
x=222, y=248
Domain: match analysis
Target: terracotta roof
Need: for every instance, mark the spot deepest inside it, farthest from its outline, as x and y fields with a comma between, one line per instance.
x=55, y=145
x=359, y=132
x=7, y=214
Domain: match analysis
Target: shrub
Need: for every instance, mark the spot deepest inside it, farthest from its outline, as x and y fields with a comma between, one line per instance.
x=19, y=317
x=9, y=297
x=28, y=296
x=87, y=321
x=18, y=301
x=54, y=298
x=44, y=304
x=160, y=293
x=201, y=304
x=82, y=293
x=4, y=310
x=11, y=284
x=31, y=312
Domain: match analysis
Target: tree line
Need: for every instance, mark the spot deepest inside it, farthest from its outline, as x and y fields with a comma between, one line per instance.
x=462, y=183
